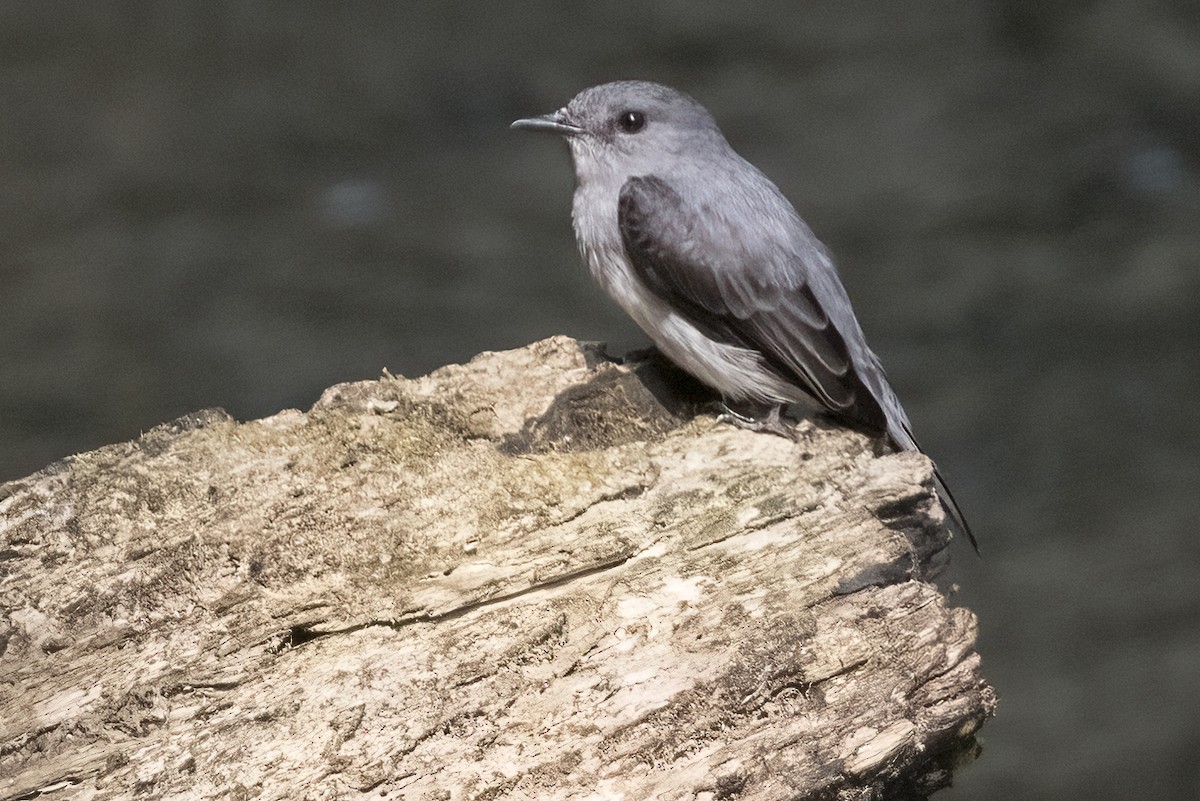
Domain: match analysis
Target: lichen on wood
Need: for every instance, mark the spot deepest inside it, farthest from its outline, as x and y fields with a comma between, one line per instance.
x=540, y=574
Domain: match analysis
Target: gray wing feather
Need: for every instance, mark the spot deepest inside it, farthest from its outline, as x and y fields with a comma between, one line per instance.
x=759, y=294
x=776, y=293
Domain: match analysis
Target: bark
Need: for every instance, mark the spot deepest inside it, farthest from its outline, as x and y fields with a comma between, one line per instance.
x=536, y=575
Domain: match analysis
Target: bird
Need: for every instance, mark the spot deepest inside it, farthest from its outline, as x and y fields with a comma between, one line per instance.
x=715, y=265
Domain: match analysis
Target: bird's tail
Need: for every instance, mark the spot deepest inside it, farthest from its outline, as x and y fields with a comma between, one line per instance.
x=955, y=520
x=901, y=437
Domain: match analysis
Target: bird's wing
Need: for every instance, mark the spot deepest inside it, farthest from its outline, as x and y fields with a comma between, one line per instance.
x=773, y=295
x=756, y=294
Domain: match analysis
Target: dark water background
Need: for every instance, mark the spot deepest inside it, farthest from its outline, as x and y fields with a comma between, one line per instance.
x=239, y=204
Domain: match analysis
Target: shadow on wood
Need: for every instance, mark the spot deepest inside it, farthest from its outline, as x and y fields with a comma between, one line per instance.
x=536, y=575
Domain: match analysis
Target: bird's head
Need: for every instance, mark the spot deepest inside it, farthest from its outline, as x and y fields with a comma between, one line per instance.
x=631, y=128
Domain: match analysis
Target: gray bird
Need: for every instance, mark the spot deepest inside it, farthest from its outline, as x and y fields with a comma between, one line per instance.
x=714, y=264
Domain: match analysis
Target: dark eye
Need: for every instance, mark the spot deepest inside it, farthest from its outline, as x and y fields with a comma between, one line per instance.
x=631, y=121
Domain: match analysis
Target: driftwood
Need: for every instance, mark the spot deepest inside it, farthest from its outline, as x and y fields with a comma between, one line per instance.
x=536, y=575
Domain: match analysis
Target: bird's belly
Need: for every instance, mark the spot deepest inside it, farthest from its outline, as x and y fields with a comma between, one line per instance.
x=735, y=372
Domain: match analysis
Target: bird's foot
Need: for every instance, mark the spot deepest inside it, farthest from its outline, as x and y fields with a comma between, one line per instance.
x=771, y=423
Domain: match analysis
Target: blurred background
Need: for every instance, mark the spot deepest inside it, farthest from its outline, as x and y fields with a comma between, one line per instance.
x=238, y=204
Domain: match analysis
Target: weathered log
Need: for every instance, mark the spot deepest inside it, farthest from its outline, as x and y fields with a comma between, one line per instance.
x=536, y=575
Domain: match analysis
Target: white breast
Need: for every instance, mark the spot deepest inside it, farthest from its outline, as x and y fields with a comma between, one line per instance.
x=737, y=373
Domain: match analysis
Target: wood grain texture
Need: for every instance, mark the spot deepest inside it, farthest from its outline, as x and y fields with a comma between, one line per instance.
x=536, y=575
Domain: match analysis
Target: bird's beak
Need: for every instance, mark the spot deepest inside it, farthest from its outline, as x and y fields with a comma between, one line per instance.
x=549, y=123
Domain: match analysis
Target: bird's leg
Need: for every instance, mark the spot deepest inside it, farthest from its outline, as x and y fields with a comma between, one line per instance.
x=771, y=423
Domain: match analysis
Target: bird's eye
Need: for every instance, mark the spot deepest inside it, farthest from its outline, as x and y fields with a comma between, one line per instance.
x=631, y=121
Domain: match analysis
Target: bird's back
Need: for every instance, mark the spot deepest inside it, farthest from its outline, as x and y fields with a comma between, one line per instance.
x=747, y=257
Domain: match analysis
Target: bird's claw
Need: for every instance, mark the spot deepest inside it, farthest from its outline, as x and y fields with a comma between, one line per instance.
x=772, y=423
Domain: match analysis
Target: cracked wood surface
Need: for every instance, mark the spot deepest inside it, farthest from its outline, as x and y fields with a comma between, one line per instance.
x=536, y=575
